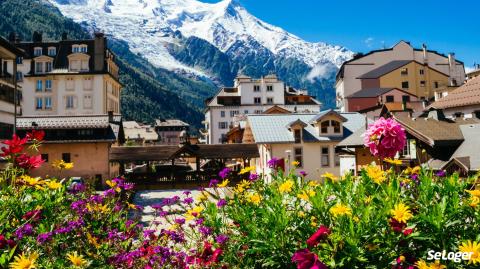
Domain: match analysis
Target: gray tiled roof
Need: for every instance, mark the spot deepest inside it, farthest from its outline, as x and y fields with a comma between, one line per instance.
x=471, y=134
x=170, y=122
x=365, y=93
x=273, y=128
x=385, y=69
x=63, y=122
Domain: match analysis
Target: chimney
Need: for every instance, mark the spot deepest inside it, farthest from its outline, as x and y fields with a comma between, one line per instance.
x=110, y=116
x=12, y=37
x=37, y=36
x=451, y=66
x=425, y=53
x=99, y=52
x=64, y=36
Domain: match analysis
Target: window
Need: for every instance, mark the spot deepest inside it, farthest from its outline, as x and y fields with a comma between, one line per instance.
x=422, y=83
x=84, y=65
x=477, y=114
x=48, y=67
x=389, y=99
x=48, y=85
x=83, y=48
x=52, y=51
x=38, y=67
x=87, y=84
x=406, y=98
x=297, y=133
x=258, y=111
x=39, y=103
x=45, y=157
x=74, y=65
x=87, y=101
x=222, y=114
x=269, y=88
x=88, y=132
x=299, y=156
x=269, y=100
x=222, y=125
x=234, y=112
x=324, y=126
x=257, y=100
x=422, y=72
x=70, y=84
x=245, y=112
x=256, y=88
x=19, y=60
x=435, y=84
x=70, y=101
x=19, y=76
x=48, y=102
x=39, y=85
x=405, y=85
x=75, y=48
x=66, y=157
x=325, y=157
x=404, y=71
x=336, y=158
x=336, y=126
x=37, y=51
x=454, y=82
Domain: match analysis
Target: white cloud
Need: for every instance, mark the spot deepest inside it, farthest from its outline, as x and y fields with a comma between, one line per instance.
x=469, y=69
x=320, y=71
x=369, y=41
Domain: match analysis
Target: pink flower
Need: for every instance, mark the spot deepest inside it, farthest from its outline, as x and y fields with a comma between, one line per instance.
x=36, y=135
x=307, y=260
x=407, y=232
x=321, y=234
x=29, y=162
x=385, y=137
x=14, y=145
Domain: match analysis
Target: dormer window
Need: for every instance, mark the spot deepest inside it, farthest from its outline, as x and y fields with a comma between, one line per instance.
x=297, y=133
x=37, y=51
x=52, y=51
x=38, y=67
x=80, y=48
x=48, y=66
x=336, y=126
x=324, y=126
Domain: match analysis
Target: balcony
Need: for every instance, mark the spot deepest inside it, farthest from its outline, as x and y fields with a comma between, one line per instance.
x=7, y=78
x=6, y=94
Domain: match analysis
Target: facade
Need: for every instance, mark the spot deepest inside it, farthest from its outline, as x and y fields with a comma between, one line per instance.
x=368, y=98
x=349, y=77
x=139, y=134
x=251, y=96
x=308, y=138
x=68, y=77
x=8, y=84
x=461, y=102
x=84, y=140
x=170, y=131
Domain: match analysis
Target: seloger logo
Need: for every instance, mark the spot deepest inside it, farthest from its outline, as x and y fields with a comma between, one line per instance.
x=450, y=256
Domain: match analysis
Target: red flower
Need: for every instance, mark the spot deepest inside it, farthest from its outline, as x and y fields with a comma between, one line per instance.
x=397, y=226
x=407, y=232
x=29, y=162
x=208, y=256
x=3, y=241
x=307, y=260
x=36, y=135
x=14, y=145
x=321, y=234
x=33, y=215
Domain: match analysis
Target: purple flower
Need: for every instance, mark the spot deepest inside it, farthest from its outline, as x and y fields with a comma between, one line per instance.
x=128, y=223
x=96, y=198
x=199, y=221
x=303, y=173
x=221, y=239
x=77, y=188
x=206, y=231
x=188, y=200
x=109, y=192
x=79, y=206
x=45, y=237
x=253, y=177
x=187, y=193
x=180, y=221
x=128, y=186
x=157, y=207
x=148, y=233
x=24, y=230
x=224, y=173
x=273, y=162
x=441, y=173
x=213, y=183
x=221, y=203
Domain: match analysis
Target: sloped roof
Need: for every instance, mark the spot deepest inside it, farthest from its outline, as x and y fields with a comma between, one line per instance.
x=354, y=140
x=274, y=129
x=133, y=130
x=170, y=122
x=63, y=122
x=468, y=154
x=465, y=95
x=385, y=69
x=368, y=93
x=325, y=113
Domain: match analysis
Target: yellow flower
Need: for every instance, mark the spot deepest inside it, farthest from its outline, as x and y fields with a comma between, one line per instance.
x=23, y=261
x=393, y=161
x=295, y=163
x=223, y=184
x=475, y=193
x=131, y=206
x=376, y=174
x=474, y=201
x=474, y=247
x=193, y=213
x=247, y=170
x=372, y=247
x=356, y=219
x=410, y=170
x=437, y=265
x=401, y=213
x=32, y=181
x=401, y=258
x=242, y=186
x=313, y=183
x=368, y=199
x=53, y=185
x=421, y=264
x=76, y=260
x=306, y=194
x=286, y=186
x=340, y=209
x=61, y=164
x=301, y=214
x=113, y=185
x=313, y=221
x=202, y=197
x=330, y=176
x=92, y=240
x=255, y=198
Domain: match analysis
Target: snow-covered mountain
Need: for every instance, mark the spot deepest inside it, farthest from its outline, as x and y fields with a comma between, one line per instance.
x=151, y=26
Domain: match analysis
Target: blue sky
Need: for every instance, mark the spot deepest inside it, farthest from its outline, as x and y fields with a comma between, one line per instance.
x=445, y=26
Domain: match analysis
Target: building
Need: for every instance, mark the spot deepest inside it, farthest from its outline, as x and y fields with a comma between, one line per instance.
x=368, y=98
x=170, y=131
x=308, y=138
x=433, y=140
x=251, y=96
x=84, y=140
x=461, y=102
x=139, y=134
x=401, y=66
x=474, y=73
x=8, y=87
x=68, y=77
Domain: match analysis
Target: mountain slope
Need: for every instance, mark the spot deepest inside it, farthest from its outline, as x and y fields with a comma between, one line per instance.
x=144, y=98
x=216, y=41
